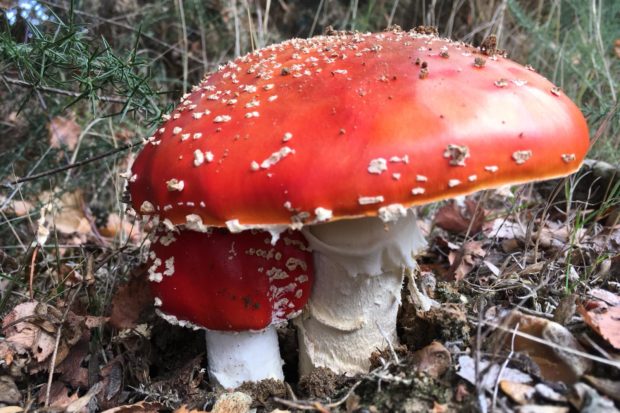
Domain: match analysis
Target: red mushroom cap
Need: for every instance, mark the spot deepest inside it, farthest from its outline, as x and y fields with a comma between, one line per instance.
x=349, y=125
x=230, y=282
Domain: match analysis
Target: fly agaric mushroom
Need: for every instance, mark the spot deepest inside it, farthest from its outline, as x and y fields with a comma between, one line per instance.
x=340, y=135
x=237, y=287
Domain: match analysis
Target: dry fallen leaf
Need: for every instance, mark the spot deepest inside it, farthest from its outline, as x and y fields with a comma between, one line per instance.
x=11, y=409
x=433, y=360
x=604, y=295
x=463, y=260
x=28, y=337
x=72, y=370
x=503, y=228
x=604, y=319
x=548, y=393
x=117, y=227
x=129, y=301
x=70, y=213
x=60, y=395
x=111, y=384
x=63, y=133
x=586, y=399
x=565, y=309
x=17, y=206
x=520, y=393
x=457, y=220
x=617, y=47
x=489, y=373
x=80, y=404
x=30, y=331
x=555, y=363
x=9, y=393
x=608, y=387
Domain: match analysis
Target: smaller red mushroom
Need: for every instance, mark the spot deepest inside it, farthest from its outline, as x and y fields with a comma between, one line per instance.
x=237, y=287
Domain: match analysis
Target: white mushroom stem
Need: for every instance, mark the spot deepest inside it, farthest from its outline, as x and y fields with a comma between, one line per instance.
x=359, y=267
x=235, y=357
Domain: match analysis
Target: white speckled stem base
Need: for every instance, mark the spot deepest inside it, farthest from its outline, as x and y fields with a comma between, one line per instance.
x=359, y=266
x=235, y=357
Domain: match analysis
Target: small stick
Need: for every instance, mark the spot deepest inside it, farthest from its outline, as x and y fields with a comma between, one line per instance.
x=504, y=365
x=31, y=277
x=73, y=165
x=63, y=92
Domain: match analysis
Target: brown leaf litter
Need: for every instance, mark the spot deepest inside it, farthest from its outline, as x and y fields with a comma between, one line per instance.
x=603, y=316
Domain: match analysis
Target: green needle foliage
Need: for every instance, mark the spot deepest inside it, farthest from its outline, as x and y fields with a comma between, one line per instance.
x=69, y=61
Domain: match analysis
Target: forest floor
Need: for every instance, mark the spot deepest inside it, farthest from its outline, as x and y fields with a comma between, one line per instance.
x=517, y=299
x=524, y=289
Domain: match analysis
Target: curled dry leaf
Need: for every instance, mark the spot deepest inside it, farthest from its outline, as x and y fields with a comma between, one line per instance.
x=9, y=393
x=617, y=48
x=71, y=369
x=586, y=399
x=60, y=396
x=111, y=384
x=565, y=309
x=610, y=388
x=489, y=373
x=17, y=206
x=11, y=409
x=80, y=405
x=520, y=393
x=548, y=393
x=457, y=220
x=69, y=213
x=122, y=228
x=464, y=260
x=30, y=331
x=502, y=228
x=433, y=360
x=604, y=319
x=606, y=296
x=129, y=301
x=555, y=363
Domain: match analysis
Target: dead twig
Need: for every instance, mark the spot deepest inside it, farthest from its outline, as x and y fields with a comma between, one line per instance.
x=31, y=276
x=47, y=89
x=503, y=367
x=315, y=405
x=73, y=165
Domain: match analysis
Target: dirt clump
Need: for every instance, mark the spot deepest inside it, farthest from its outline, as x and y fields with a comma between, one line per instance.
x=264, y=390
x=320, y=383
x=446, y=323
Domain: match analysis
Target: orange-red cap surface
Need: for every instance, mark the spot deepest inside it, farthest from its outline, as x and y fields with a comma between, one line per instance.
x=230, y=282
x=349, y=125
